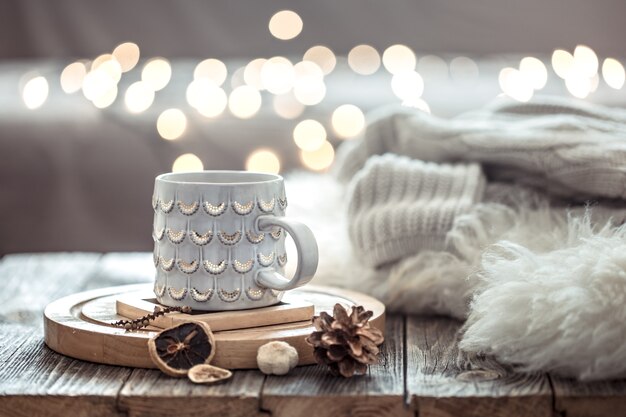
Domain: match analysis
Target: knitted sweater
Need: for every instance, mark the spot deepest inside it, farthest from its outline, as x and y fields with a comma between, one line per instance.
x=400, y=204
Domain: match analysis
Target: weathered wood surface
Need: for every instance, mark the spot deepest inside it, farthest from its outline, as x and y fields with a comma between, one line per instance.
x=442, y=381
x=422, y=372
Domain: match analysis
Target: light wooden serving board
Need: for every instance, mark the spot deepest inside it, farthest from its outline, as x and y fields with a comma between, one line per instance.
x=79, y=326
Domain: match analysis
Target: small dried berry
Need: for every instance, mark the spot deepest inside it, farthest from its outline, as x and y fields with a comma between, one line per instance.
x=177, y=349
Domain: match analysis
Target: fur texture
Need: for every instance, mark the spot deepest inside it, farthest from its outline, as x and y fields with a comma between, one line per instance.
x=548, y=291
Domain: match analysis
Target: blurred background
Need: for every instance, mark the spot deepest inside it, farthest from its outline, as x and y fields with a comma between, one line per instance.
x=96, y=98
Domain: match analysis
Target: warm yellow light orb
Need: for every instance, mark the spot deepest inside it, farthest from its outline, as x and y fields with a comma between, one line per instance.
x=407, y=85
x=187, y=162
x=399, y=58
x=263, y=160
x=72, y=77
x=171, y=124
x=127, y=54
x=139, y=97
x=244, y=101
x=534, y=71
x=35, y=92
x=287, y=106
x=348, y=121
x=309, y=135
x=156, y=73
x=285, y=25
x=211, y=69
x=613, y=73
x=319, y=159
x=322, y=56
x=364, y=59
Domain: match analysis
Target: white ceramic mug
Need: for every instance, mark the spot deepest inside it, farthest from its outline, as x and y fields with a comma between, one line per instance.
x=219, y=240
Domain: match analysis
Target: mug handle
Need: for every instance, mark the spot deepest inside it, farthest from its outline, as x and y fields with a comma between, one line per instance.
x=307, y=254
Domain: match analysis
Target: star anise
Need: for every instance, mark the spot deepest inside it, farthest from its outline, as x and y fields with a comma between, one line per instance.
x=177, y=349
x=345, y=343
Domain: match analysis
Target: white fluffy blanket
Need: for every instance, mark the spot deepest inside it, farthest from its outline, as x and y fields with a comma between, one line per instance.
x=539, y=288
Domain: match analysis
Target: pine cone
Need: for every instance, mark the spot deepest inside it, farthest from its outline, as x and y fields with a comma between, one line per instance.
x=345, y=343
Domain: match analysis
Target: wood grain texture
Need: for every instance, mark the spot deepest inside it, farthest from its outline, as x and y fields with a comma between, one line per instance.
x=589, y=399
x=311, y=390
x=35, y=381
x=151, y=393
x=443, y=381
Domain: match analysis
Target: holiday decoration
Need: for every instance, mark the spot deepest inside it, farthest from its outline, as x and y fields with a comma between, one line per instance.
x=276, y=358
x=345, y=343
x=179, y=348
x=207, y=374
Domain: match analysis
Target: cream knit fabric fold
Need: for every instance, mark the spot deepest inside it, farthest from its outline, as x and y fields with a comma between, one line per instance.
x=571, y=149
x=399, y=206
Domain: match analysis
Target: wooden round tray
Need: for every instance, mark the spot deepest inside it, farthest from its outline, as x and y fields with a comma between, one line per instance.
x=79, y=326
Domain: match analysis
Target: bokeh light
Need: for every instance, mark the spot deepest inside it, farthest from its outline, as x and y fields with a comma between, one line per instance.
x=171, y=124
x=263, y=160
x=535, y=71
x=212, y=69
x=463, y=68
x=562, y=62
x=285, y=25
x=156, y=73
x=348, y=121
x=613, y=73
x=72, y=77
x=432, y=66
x=97, y=83
x=35, y=92
x=209, y=99
x=187, y=162
x=287, y=107
x=515, y=85
x=127, y=54
x=277, y=75
x=309, y=88
x=111, y=68
x=407, y=85
x=139, y=97
x=252, y=73
x=578, y=84
x=322, y=56
x=398, y=58
x=364, y=59
x=237, y=79
x=100, y=60
x=585, y=61
x=244, y=101
x=309, y=135
x=319, y=159
x=106, y=99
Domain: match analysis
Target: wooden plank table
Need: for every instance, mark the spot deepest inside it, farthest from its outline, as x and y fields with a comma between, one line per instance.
x=422, y=372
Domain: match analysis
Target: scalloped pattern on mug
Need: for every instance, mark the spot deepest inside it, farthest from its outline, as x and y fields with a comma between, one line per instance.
x=214, y=210
x=265, y=260
x=229, y=239
x=282, y=202
x=158, y=233
x=176, y=236
x=188, y=267
x=201, y=296
x=201, y=239
x=159, y=289
x=254, y=238
x=177, y=293
x=229, y=296
x=166, y=207
x=275, y=234
x=155, y=259
x=166, y=265
x=243, y=267
x=155, y=202
x=215, y=269
x=267, y=206
x=243, y=209
x=188, y=209
x=282, y=260
x=255, y=294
